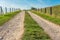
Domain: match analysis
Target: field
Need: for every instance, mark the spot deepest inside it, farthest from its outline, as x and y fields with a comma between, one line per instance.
x=33, y=31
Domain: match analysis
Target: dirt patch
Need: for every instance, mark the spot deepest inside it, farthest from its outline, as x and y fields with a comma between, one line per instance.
x=13, y=29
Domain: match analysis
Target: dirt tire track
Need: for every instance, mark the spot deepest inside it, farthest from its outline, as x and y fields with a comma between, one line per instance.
x=50, y=28
x=13, y=29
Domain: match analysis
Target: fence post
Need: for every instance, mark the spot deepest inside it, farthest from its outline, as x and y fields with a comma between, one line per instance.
x=1, y=10
x=5, y=9
x=45, y=10
x=10, y=10
x=13, y=9
x=41, y=9
x=50, y=10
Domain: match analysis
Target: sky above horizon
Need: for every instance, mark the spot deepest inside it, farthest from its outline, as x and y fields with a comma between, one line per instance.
x=27, y=4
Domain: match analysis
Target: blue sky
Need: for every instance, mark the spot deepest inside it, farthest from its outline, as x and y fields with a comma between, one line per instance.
x=26, y=4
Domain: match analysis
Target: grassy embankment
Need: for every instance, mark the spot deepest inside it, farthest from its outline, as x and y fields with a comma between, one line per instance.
x=47, y=17
x=33, y=31
x=4, y=18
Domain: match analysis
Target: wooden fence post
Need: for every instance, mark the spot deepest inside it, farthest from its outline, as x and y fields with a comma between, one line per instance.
x=5, y=9
x=10, y=10
x=45, y=10
x=1, y=10
x=41, y=9
x=50, y=10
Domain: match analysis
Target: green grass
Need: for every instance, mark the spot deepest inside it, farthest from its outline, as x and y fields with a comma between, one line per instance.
x=55, y=11
x=47, y=17
x=33, y=31
x=4, y=18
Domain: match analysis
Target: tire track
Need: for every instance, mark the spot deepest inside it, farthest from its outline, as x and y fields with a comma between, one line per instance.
x=50, y=28
x=13, y=29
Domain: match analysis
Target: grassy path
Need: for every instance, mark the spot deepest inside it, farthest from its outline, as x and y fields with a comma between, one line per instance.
x=52, y=29
x=47, y=17
x=4, y=18
x=33, y=31
x=14, y=28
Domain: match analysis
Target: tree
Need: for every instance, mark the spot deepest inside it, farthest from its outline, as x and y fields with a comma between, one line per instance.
x=33, y=8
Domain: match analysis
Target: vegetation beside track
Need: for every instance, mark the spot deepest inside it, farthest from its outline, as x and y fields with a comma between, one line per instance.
x=48, y=17
x=6, y=17
x=33, y=31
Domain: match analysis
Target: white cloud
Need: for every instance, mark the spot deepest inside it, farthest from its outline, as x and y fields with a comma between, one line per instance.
x=4, y=3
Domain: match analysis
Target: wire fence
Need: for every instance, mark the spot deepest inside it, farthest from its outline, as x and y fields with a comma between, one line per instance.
x=53, y=11
x=4, y=10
